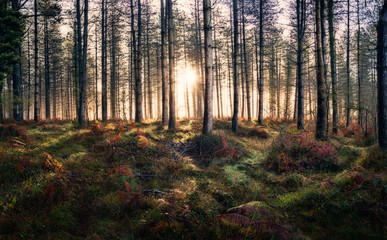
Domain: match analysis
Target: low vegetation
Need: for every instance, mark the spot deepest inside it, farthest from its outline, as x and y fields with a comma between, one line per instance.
x=119, y=180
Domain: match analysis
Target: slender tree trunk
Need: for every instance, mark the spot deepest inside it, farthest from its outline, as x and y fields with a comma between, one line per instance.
x=321, y=124
x=332, y=45
x=359, y=80
x=382, y=78
x=17, y=94
x=150, y=106
x=348, y=105
x=288, y=80
x=96, y=73
x=36, y=106
x=248, y=100
x=46, y=68
x=113, y=69
x=261, y=55
x=209, y=81
x=164, y=84
x=172, y=94
x=138, y=80
x=187, y=106
x=235, y=67
x=29, y=77
x=83, y=67
x=300, y=61
x=103, y=63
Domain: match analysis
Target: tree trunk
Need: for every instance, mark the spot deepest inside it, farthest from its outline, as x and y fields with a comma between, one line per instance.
x=138, y=64
x=332, y=45
x=171, y=41
x=248, y=100
x=104, y=62
x=96, y=73
x=46, y=69
x=164, y=84
x=261, y=55
x=113, y=70
x=359, y=80
x=382, y=78
x=209, y=81
x=300, y=41
x=235, y=67
x=150, y=98
x=321, y=124
x=17, y=94
x=348, y=105
x=83, y=67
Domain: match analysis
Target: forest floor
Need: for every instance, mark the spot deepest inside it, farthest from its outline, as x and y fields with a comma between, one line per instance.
x=119, y=180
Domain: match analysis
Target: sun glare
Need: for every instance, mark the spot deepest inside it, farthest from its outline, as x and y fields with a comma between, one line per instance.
x=187, y=76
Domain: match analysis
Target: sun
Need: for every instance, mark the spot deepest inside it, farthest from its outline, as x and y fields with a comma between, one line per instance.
x=187, y=76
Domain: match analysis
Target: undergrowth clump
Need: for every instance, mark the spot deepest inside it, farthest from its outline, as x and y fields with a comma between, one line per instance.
x=259, y=132
x=256, y=220
x=16, y=135
x=210, y=146
x=301, y=152
x=97, y=129
x=375, y=159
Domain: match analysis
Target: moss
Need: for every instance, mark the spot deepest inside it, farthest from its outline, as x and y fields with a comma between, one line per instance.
x=375, y=159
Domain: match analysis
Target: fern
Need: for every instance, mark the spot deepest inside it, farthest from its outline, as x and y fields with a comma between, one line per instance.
x=51, y=163
x=235, y=219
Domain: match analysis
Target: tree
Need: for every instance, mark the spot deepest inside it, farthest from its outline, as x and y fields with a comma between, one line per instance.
x=138, y=64
x=301, y=25
x=83, y=63
x=332, y=46
x=16, y=75
x=322, y=120
x=261, y=55
x=104, y=59
x=171, y=39
x=348, y=99
x=10, y=41
x=209, y=81
x=164, y=85
x=235, y=67
x=36, y=52
x=382, y=77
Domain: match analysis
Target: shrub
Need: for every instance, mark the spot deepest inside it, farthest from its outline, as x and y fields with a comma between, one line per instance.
x=51, y=164
x=122, y=170
x=375, y=159
x=259, y=132
x=209, y=146
x=256, y=220
x=97, y=130
x=12, y=131
x=301, y=153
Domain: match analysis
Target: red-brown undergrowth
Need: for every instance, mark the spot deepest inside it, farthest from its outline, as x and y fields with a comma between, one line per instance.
x=301, y=152
x=51, y=164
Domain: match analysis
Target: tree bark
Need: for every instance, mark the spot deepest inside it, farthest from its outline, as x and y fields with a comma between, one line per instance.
x=235, y=67
x=171, y=41
x=348, y=105
x=382, y=78
x=321, y=124
x=83, y=67
x=209, y=81
x=47, y=68
x=104, y=63
x=301, y=8
x=248, y=100
x=332, y=46
x=138, y=80
x=261, y=55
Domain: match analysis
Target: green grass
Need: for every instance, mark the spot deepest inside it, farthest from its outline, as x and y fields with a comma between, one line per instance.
x=146, y=186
